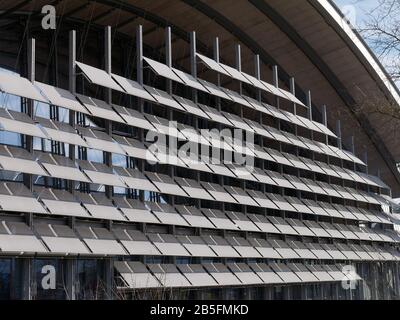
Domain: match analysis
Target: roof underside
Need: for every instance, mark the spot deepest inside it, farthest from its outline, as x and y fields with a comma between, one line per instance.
x=299, y=36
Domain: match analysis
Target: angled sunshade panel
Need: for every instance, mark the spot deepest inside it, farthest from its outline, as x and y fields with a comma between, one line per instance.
x=66, y=170
x=212, y=64
x=100, y=209
x=164, y=98
x=169, y=276
x=197, y=276
x=215, y=115
x=235, y=74
x=19, y=86
x=100, y=108
x=168, y=245
x=100, y=140
x=244, y=273
x=236, y=97
x=190, y=107
x=135, y=179
x=99, y=176
x=20, y=199
x=133, y=88
x=99, y=77
x=273, y=89
x=194, y=217
x=218, y=192
x=237, y=121
x=133, y=118
x=19, y=238
x=324, y=129
x=262, y=223
x=19, y=160
x=353, y=157
x=60, y=239
x=165, y=184
x=162, y=70
x=193, y=189
x=99, y=245
x=166, y=214
x=296, y=182
x=214, y=89
x=189, y=80
x=61, y=97
x=20, y=123
x=136, y=211
x=240, y=196
x=259, y=129
x=277, y=134
x=135, y=148
x=60, y=131
x=293, y=118
x=136, y=275
x=276, y=113
x=292, y=97
x=242, y=221
x=219, y=219
x=136, y=243
x=60, y=202
x=282, y=225
x=221, y=274
x=257, y=105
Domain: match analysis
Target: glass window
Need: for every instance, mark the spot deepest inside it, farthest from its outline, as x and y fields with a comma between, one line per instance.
x=5, y=279
x=43, y=271
x=88, y=284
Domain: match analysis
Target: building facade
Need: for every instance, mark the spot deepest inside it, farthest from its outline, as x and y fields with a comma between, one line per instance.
x=193, y=149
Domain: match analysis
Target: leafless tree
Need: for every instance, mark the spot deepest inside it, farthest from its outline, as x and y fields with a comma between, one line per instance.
x=381, y=29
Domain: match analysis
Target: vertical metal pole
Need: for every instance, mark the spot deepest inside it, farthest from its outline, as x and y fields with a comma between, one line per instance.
x=275, y=81
x=238, y=54
x=28, y=181
x=352, y=147
x=108, y=156
x=309, y=111
x=218, y=100
x=339, y=133
x=71, y=290
x=292, y=85
x=193, y=64
x=72, y=89
x=325, y=121
x=366, y=159
x=293, y=91
x=257, y=74
x=309, y=105
x=216, y=58
x=139, y=54
x=30, y=104
x=257, y=71
x=324, y=115
x=108, y=98
x=26, y=265
x=139, y=79
x=168, y=55
x=193, y=69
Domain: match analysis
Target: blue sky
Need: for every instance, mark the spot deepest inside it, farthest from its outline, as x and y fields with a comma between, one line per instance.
x=361, y=7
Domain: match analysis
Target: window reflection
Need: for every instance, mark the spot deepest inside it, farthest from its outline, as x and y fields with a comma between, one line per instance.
x=38, y=290
x=5, y=279
x=88, y=283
